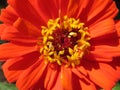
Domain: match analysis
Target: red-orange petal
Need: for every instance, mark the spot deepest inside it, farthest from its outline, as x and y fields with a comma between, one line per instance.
x=106, y=9
x=105, y=51
x=73, y=8
x=88, y=11
x=23, y=62
x=46, y=9
x=30, y=15
x=12, y=34
x=66, y=78
x=58, y=85
x=95, y=74
x=11, y=75
x=10, y=50
x=116, y=65
x=102, y=28
x=8, y=15
x=82, y=70
x=2, y=27
x=87, y=85
x=81, y=82
x=33, y=75
x=102, y=53
x=26, y=27
x=111, y=72
x=111, y=39
x=51, y=77
x=97, y=56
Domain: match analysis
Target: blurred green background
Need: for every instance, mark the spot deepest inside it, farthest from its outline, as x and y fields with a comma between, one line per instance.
x=4, y=85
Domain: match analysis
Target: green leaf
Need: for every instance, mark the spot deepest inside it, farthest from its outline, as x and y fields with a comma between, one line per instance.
x=117, y=87
x=7, y=86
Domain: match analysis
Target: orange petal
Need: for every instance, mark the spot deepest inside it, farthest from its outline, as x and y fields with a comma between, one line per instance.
x=88, y=11
x=73, y=7
x=10, y=50
x=101, y=53
x=21, y=63
x=11, y=75
x=66, y=78
x=116, y=65
x=97, y=56
x=87, y=85
x=33, y=76
x=51, y=77
x=101, y=79
x=2, y=27
x=31, y=14
x=82, y=70
x=12, y=34
x=46, y=9
x=106, y=9
x=102, y=28
x=81, y=82
x=58, y=85
x=110, y=72
x=8, y=15
x=105, y=51
x=26, y=27
x=111, y=39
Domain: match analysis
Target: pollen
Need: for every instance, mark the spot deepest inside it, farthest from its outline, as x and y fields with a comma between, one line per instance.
x=65, y=41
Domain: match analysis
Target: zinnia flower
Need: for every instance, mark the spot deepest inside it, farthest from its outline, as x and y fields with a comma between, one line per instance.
x=60, y=44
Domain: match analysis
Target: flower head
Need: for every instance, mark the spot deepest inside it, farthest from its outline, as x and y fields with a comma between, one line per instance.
x=64, y=42
x=60, y=44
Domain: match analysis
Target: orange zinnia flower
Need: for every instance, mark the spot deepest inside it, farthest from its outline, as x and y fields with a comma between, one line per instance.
x=60, y=44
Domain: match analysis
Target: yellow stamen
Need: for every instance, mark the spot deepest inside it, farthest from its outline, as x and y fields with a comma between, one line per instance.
x=65, y=41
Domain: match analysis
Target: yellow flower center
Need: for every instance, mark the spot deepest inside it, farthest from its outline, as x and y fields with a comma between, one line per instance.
x=64, y=41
